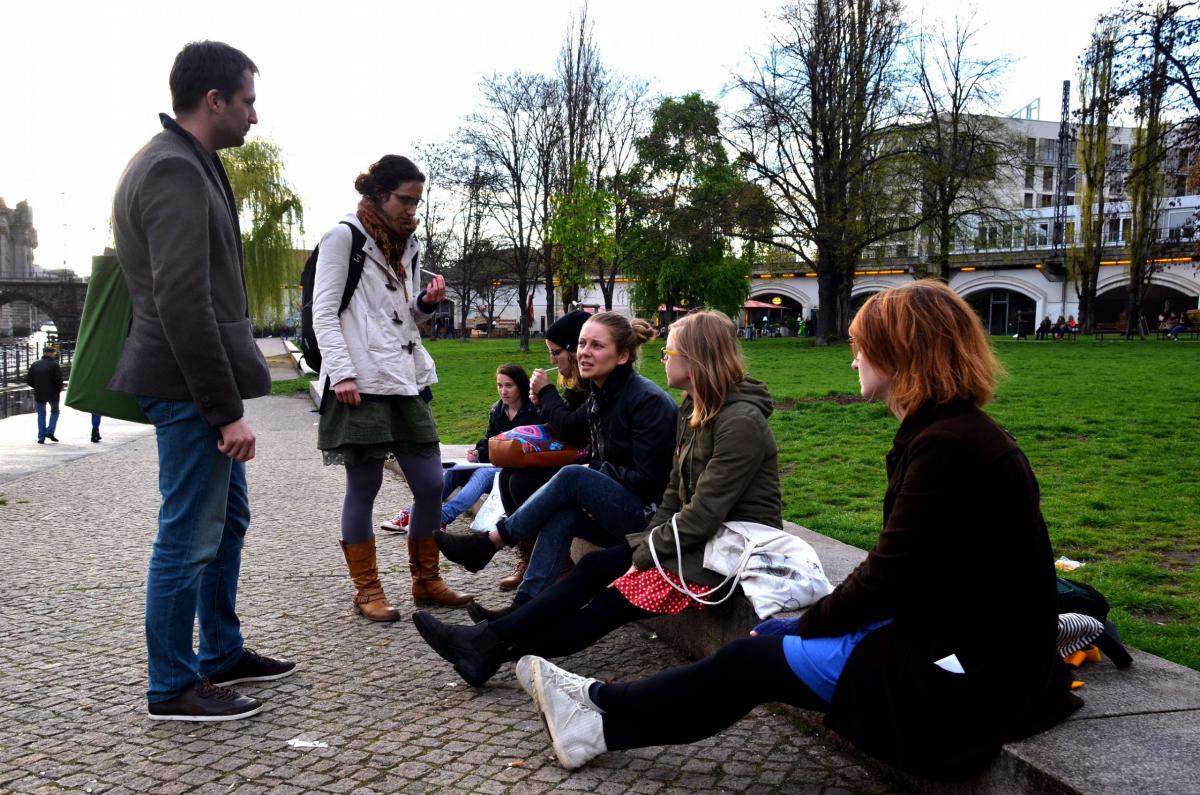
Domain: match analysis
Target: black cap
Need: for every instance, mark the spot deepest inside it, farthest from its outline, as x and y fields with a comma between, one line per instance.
x=565, y=330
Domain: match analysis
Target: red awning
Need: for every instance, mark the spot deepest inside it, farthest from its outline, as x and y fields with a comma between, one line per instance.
x=752, y=304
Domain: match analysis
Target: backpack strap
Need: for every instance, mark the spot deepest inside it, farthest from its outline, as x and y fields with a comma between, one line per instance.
x=358, y=241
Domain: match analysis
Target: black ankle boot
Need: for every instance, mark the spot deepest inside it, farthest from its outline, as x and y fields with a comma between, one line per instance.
x=475, y=652
x=472, y=551
x=479, y=613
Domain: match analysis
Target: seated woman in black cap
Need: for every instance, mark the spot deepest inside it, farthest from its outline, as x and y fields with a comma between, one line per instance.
x=566, y=415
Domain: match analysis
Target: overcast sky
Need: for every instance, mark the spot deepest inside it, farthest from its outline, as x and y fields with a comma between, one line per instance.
x=343, y=83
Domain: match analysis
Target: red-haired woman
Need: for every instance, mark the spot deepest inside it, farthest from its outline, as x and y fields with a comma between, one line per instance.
x=919, y=661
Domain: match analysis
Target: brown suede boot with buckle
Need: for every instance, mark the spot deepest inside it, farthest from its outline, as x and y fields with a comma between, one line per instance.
x=513, y=581
x=428, y=587
x=369, y=598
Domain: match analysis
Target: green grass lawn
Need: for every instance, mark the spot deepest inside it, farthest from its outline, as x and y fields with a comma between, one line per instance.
x=1112, y=430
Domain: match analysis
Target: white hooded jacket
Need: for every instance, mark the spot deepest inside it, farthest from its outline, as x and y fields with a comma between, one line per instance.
x=375, y=340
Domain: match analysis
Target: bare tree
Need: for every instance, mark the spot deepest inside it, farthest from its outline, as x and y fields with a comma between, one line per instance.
x=819, y=134
x=581, y=79
x=547, y=129
x=435, y=161
x=960, y=150
x=494, y=292
x=503, y=133
x=473, y=250
x=623, y=108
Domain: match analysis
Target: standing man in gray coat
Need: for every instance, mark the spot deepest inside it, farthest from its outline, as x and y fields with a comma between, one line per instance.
x=191, y=360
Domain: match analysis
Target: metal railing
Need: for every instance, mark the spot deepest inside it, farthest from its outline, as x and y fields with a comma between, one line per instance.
x=16, y=358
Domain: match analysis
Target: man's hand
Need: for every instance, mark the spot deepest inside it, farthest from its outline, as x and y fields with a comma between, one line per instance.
x=435, y=291
x=346, y=391
x=237, y=440
x=473, y=455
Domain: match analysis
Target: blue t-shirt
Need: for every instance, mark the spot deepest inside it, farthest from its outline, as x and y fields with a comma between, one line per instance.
x=819, y=661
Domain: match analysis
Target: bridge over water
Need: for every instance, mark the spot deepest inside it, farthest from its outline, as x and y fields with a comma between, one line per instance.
x=59, y=296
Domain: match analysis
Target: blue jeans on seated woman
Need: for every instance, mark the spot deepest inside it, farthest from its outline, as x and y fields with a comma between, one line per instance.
x=471, y=484
x=564, y=509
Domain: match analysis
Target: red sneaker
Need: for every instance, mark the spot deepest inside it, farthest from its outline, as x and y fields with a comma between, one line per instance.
x=397, y=525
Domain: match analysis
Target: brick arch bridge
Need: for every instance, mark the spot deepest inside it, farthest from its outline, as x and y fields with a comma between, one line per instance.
x=59, y=297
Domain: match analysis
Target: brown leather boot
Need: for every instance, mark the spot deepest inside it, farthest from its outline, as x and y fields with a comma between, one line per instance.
x=368, y=598
x=513, y=581
x=428, y=587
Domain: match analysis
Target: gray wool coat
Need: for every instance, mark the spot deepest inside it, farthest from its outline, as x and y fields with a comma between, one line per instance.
x=180, y=249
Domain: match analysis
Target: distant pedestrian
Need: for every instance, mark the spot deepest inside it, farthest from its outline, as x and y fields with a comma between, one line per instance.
x=190, y=358
x=1043, y=329
x=46, y=378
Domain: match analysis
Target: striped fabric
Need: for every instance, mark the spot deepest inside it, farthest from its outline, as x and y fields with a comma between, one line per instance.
x=1076, y=631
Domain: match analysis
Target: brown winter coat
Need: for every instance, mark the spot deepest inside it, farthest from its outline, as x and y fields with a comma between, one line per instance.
x=964, y=567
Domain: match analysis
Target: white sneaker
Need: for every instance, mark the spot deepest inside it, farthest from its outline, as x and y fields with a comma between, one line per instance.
x=575, y=726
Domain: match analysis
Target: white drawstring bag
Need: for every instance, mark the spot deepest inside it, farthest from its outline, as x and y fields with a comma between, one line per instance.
x=777, y=570
x=491, y=510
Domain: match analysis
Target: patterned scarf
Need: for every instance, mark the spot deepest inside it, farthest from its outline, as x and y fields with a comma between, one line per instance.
x=391, y=244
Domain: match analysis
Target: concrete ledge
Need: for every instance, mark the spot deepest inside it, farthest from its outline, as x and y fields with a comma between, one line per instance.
x=1138, y=731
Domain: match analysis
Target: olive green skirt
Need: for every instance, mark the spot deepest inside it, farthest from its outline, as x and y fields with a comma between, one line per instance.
x=376, y=428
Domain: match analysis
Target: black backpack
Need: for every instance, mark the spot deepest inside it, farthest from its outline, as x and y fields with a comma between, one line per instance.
x=308, y=337
x=1078, y=597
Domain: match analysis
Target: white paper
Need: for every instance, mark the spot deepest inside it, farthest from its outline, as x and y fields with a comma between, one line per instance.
x=462, y=463
x=950, y=663
x=296, y=742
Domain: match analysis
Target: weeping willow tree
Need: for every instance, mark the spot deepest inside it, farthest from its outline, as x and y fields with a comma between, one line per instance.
x=1097, y=94
x=270, y=213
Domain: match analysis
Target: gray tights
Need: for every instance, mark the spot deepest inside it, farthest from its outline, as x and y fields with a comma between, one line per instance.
x=363, y=479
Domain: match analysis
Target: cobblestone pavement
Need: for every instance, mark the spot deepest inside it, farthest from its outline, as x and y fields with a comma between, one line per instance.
x=394, y=716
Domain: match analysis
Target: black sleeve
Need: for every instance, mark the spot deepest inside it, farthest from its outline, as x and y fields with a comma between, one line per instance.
x=569, y=423
x=919, y=518
x=495, y=426
x=652, y=418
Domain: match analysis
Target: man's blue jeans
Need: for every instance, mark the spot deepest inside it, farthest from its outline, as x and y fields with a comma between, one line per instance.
x=197, y=554
x=45, y=430
x=473, y=483
x=558, y=512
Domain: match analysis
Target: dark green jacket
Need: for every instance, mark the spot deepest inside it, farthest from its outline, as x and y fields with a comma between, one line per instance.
x=726, y=470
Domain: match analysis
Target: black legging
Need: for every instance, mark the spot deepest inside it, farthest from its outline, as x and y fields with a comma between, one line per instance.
x=517, y=485
x=686, y=704
x=572, y=615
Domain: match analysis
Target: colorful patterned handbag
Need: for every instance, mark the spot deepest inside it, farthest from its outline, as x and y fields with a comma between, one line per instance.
x=531, y=446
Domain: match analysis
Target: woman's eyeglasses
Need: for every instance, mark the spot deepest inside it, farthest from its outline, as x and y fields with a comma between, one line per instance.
x=406, y=201
x=668, y=353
